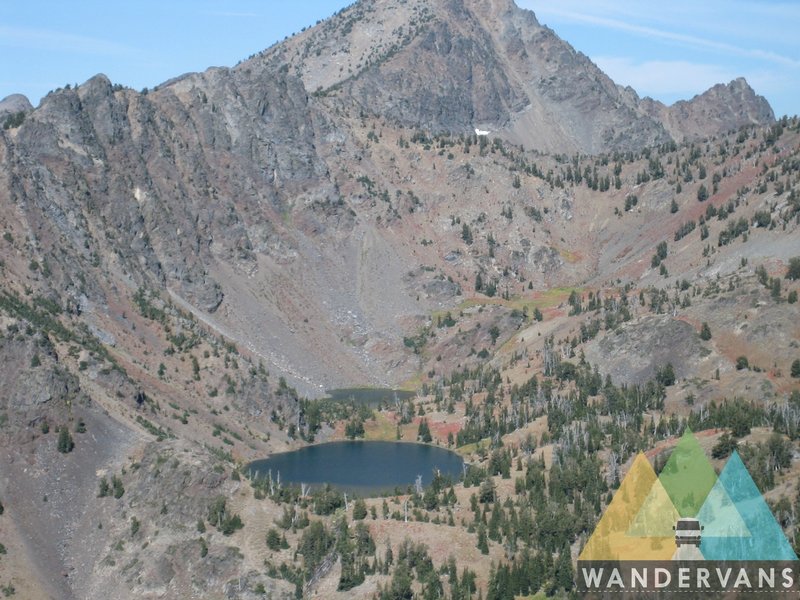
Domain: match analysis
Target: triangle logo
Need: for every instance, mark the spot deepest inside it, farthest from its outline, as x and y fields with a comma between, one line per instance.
x=719, y=515
x=657, y=516
x=766, y=540
x=688, y=476
x=721, y=518
x=610, y=539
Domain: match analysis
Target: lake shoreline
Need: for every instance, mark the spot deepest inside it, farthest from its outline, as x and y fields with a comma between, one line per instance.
x=366, y=467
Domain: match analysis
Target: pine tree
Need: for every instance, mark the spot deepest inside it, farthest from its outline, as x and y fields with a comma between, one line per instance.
x=466, y=234
x=65, y=442
x=430, y=500
x=796, y=368
x=724, y=446
x=483, y=543
x=793, y=270
x=119, y=489
x=273, y=539
x=424, y=432
x=359, y=509
x=666, y=375
x=564, y=575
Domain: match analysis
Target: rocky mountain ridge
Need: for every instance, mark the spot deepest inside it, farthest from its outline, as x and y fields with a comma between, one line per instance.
x=452, y=66
x=715, y=110
x=177, y=262
x=200, y=180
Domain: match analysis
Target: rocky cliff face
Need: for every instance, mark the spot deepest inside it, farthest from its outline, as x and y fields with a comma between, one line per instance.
x=456, y=65
x=241, y=192
x=725, y=107
x=246, y=194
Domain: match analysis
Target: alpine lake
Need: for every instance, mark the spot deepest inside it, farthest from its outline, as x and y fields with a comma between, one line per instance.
x=365, y=468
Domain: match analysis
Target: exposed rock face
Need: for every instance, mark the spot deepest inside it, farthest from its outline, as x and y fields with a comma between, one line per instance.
x=634, y=354
x=449, y=76
x=724, y=107
x=13, y=104
x=34, y=384
x=455, y=65
x=218, y=186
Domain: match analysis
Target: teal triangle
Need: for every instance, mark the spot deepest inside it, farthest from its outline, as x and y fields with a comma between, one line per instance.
x=719, y=516
x=766, y=540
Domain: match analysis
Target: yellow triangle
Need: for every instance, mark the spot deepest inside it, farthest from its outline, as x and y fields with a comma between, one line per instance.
x=657, y=516
x=610, y=540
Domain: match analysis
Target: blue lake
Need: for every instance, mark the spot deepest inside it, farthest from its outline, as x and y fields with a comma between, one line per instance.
x=363, y=467
x=369, y=396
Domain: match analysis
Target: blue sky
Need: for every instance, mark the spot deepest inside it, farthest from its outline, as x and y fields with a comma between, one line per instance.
x=677, y=52
x=667, y=53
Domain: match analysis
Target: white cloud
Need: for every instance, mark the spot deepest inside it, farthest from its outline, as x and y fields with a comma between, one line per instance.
x=682, y=39
x=45, y=39
x=698, y=43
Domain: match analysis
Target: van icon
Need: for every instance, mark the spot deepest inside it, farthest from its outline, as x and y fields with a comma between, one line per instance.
x=688, y=533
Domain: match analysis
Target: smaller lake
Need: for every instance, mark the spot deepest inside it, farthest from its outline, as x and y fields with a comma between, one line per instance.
x=362, y=467
x=369, y=396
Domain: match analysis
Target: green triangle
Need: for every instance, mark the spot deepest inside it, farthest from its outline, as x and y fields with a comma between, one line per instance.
x=688, y=476
x=656, y=517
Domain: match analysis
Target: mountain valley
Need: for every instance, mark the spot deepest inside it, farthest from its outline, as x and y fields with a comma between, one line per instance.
x=187, y=270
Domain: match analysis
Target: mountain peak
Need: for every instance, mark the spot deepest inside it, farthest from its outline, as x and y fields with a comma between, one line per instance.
x=721, y=108
x=736, y=86
x=456, y=65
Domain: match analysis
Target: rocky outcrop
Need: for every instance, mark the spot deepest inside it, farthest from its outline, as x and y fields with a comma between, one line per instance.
x=13, y=104
x=634, y=354
x=37, y=390
x=192, y=186
x=725, y=107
